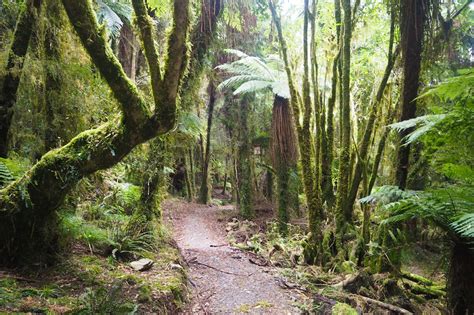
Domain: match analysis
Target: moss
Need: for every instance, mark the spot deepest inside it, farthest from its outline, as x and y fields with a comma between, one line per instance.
x=145, y=294
x=343, y=309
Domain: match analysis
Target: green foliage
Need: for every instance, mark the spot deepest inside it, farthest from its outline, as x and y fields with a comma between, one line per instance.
x=251, y=74
x=114, y=13
x=5, y=175
x=464, y=226
x=131, y=240
x=106, y=301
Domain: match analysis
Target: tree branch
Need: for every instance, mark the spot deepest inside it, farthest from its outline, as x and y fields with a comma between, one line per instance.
x=82, y=16
x=146, y=28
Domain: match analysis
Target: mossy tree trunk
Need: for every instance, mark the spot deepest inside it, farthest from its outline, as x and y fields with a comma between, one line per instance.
x=204, y=192
x=304, y=137
x=154, y=180
x=364, y=145
x=244, y=171
x=55, y=23
x=27, y=20
x=28, y=204
x=343, y=216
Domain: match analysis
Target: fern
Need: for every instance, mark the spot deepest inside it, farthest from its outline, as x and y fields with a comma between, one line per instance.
x=451, y=209
x=5, y=175
x=250, y=74
x=423, y=124
x=464, y=226
x=114, y=14
x=386, y=194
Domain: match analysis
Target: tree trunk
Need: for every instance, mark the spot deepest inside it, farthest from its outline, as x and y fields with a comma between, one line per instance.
x=244, y=172
x=204, y=193
x=304, y=137
x=460, y=286
x=154, y=179
x=364, y=144
x=412, y=22
x=343, y=216
x=56, y=130
x=27, y=20
x=27, y=205
x=284, y=156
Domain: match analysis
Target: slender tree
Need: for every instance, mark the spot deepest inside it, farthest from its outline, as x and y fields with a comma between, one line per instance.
x=27, y=20
x=204, y=193
x=344, y=217
x=412, y=22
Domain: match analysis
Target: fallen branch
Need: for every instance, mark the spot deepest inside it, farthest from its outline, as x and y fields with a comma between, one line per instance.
x=387, y=306
x=220, y=245
x=255, y=262
x=417, y=278
x=194, y=261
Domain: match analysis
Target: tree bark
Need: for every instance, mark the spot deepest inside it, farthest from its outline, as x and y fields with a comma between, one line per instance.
x=412, y=22
x=460, y=280
x=343, y=216
x=244, y=172
x=28, y=204
x=27, y=20
x=204, y=194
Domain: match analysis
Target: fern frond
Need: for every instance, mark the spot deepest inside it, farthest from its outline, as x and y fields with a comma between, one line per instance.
x=252, y=86
x=464, y=226
x=5, y=175
x=423, y=125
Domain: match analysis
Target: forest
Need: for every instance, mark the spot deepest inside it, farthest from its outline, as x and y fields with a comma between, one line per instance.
x=237, y=157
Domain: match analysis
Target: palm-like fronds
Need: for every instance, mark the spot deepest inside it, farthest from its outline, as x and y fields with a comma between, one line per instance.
x=464, y=226
x=114, y=14
x=423, y=125
x=251, y=74
x=451, y=209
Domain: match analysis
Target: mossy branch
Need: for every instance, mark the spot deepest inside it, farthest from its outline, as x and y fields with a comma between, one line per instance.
x=145, y=25
x=82, y=16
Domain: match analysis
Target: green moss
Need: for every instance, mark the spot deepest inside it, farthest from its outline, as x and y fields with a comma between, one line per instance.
x=145, y=294
x=343, y=309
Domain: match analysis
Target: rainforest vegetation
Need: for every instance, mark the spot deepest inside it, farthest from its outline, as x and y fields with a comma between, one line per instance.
x=154, y=152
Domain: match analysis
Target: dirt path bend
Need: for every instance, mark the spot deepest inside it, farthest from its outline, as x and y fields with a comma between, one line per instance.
x=223, y=279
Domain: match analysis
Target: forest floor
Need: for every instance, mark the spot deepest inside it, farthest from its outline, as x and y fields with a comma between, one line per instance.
x=223, y=278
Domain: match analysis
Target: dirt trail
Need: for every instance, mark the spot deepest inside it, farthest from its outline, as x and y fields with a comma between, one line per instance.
x=223, y=279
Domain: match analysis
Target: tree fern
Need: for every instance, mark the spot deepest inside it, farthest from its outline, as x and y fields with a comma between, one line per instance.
x=451, y=209
x=114, y=14
x=250, y=74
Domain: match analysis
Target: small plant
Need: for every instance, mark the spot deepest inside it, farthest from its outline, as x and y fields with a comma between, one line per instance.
x=106, y=301
x=130, y=241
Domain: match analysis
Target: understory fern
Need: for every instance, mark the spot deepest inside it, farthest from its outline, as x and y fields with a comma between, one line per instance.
x=451, y=208
x=5, y=175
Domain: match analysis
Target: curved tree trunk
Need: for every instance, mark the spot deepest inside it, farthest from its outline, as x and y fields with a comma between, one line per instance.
x=29, y=204
x=27, y=20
